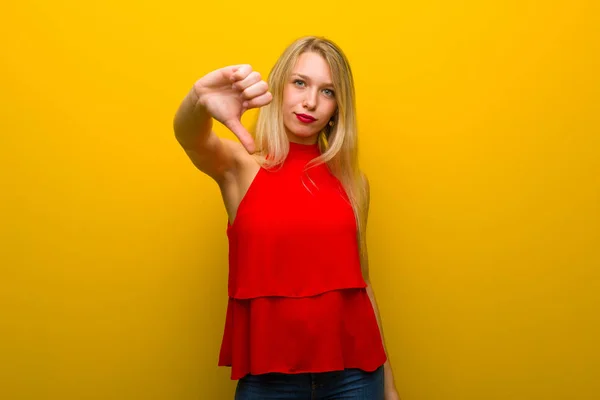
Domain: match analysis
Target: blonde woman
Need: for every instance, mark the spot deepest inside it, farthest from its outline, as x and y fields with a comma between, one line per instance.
x=302, y=321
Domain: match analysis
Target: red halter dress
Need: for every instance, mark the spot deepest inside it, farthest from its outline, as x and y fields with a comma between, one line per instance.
x=297, y=297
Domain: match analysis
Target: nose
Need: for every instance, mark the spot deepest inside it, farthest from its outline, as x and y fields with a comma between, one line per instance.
x=310, y=100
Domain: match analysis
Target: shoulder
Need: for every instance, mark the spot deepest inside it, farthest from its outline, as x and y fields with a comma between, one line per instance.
x=235, y=148
x=240, y=155
x=242, y=162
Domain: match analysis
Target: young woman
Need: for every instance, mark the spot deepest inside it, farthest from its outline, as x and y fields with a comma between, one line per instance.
x=302, y=321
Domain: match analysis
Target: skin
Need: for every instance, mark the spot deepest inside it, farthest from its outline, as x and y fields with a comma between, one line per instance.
x=308, y=90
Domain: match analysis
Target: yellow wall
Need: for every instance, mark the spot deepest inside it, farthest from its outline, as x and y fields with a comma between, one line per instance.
x=480, y=133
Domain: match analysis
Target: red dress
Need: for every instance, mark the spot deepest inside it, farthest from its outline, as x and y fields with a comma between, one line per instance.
x=297, y=298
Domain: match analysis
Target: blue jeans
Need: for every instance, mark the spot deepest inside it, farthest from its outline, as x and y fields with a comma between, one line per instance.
x=350, y=384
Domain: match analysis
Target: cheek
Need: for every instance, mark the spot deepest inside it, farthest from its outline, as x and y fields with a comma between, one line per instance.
x=285, y=96
x=289, y=98
x=331, y=110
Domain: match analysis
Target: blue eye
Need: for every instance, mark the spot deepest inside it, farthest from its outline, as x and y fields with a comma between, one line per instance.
x=329, y=92
x=299, y=82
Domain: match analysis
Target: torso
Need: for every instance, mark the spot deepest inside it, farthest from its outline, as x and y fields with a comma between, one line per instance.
x=297, y=297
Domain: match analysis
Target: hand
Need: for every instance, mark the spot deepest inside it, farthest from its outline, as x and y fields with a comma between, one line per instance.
x=228, y=93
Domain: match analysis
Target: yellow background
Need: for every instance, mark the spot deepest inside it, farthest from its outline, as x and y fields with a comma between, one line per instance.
x=480, y=132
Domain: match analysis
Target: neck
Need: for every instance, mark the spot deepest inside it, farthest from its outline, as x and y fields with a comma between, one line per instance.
x=310, y=140
x=310, y=150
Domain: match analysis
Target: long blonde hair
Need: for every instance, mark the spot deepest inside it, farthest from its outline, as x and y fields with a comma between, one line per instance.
x=338, y=144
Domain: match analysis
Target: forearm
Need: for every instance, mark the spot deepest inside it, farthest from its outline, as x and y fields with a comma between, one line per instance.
x=388, y=374
x=192, y=123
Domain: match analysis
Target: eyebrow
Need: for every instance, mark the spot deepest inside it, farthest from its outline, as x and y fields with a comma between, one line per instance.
x=308, y=79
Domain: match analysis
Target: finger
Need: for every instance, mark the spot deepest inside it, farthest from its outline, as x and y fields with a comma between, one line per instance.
x=250, y=80
x=235, y=126
x=230, y=70
x=255, y=90
x=259, y=101
x=241, y=73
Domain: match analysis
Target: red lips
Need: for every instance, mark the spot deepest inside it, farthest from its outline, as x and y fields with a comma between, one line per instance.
x=305, y=118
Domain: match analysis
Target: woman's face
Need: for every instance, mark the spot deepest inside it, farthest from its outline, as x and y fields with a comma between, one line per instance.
x=308, y=99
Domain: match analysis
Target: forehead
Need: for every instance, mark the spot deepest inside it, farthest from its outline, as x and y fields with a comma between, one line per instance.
x=313, y=66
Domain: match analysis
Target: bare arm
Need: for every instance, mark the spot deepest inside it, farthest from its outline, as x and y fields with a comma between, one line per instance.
x=391, y=392
x=224, y=94
x=192, y=122
x=390, y=386
x=193, y=130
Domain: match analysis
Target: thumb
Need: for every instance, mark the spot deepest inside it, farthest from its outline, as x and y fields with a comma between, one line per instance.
x=235, y=126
